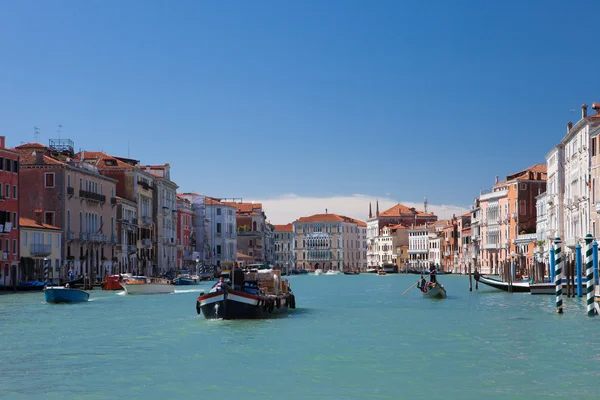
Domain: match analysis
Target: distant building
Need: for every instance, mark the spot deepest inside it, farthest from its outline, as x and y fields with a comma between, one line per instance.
x=185, y=233
x=284, y=247
x=330, y=241
x=221, y=232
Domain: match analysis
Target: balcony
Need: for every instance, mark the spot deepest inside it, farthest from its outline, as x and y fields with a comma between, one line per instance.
x=132, y=248
x=113, y=239
x=84, y=194
x=113, y=201
x=144, y=185
x=146, y=243
x=166, y=210
x=41, y=250
x=70, y=191
x=145, y=221
x=83, y=236
x=70, y=236
x=97, y=237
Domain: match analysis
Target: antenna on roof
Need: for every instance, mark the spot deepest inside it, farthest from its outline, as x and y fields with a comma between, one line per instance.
x=36, y=133
x=425, y=205
x=127, y=148
x=58, y=131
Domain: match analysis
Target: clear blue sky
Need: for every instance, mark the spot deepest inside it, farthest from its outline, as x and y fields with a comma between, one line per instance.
x=318, y=98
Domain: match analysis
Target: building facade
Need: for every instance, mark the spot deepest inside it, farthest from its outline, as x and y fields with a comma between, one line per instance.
x=127, y=231
x=40, y=245
x=330, y=242
x=284, y=248
x=221, y=232
x=185, y=233
x=9, y=215
x=74, y=196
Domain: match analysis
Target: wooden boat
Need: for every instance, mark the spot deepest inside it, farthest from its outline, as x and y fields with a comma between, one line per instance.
x=62, y=294
x=113, y=282
x=435, y=290
x=351, y=272
x=381, y=272
x=517, y=287
x=371, y=270
x=145, y=285
x=251, y=295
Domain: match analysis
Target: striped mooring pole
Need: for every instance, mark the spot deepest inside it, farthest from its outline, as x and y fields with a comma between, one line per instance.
x=558, y=274
x=589, y=273
x=551, y=268
x=46, y=271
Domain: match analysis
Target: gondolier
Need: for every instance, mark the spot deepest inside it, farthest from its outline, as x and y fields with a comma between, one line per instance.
x=432, y=274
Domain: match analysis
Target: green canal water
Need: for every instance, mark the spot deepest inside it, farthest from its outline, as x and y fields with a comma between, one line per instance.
x=351, y=337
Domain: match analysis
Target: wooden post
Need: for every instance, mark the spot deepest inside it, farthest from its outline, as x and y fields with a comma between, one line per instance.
x=470, y=282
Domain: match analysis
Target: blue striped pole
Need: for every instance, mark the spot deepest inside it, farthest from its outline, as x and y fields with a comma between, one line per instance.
x=589, y=272
x=551, y=272
x=46, y=271
x=578, y=269
x=558, y=274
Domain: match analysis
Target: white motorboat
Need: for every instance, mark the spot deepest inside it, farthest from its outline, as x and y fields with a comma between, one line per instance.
x=318, y=272
x=333, y=272
x=145, y=285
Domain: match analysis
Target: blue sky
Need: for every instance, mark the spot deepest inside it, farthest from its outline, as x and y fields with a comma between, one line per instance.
x=316, y=98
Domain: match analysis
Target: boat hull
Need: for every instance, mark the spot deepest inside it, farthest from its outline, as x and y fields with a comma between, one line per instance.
x=112, y=283
x=233, y=304
x=436, y=292
x=148, y=288
x=542, y=288
x=186, y=281
x=318, y=272
x=517, y=287
x=60, y=294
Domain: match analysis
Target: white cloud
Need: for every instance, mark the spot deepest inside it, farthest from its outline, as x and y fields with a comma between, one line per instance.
x=289, y=207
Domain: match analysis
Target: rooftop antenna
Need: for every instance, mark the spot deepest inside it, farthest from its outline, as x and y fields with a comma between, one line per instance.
x=36, y=133
x=425, y=205
x=127, y=148
x=58, y=131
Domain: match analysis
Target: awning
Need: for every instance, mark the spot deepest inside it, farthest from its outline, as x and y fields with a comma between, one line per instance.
x=244, y=257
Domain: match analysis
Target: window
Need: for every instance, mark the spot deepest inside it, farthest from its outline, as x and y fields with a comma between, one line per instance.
x=15, y=221
x=14, y=246
x=1, y=163
x=80, y=184
x=68, y=220
x=24, y=238
x=8, y=165
x=218, y=228
x=14, y=192
x=218, y=211
x=80, y=222
x=249, y=243
x=522, y=207
x=57, y=244
x=7, y=192
x=218, y=249
x=49, y=179
x=49, y=217
x=15, y=166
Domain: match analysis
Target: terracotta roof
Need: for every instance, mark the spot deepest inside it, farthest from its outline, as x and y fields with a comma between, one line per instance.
x=30, y=223
x=284, y=228
x=102, y=160
x=26, y=156
x=211, y=202
x=398, y=226
x=401, y=210
x=330, y=218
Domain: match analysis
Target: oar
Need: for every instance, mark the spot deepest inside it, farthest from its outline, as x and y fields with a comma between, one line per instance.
x=406, y=291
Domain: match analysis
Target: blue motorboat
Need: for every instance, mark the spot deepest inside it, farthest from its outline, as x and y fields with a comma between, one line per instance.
x=62, y=294
x=187, y=279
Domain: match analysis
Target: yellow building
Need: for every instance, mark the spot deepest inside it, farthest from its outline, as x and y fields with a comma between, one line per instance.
x=39, y=242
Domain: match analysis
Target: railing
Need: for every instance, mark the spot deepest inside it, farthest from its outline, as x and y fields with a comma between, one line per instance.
x=113, y=238
x=144, y=185
x=92, y=196
x=146, y=242
x=70, y=235
x=132, y=248
x=113, y=201
x=83, y=236
x=146, y=220
x=39, y=249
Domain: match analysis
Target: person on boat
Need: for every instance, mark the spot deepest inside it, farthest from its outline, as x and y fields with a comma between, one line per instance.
x=432, y=274
x=67, y=286
x=71, y=274
x=422, y=284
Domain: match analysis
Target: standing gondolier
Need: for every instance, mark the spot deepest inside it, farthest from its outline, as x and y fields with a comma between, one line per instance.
x=432, y=274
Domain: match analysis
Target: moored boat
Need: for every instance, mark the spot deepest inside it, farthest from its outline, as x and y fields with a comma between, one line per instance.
x=145, y=285
x=62, y=294
x=185, y=278
x=351, y=272
x=318, y=272
x=251, y=295
x=333, y=272
x=517, y=287
x=434, y=290
x=381, y=272
x=371, y=270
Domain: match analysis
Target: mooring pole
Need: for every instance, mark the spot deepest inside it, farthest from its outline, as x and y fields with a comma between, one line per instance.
x=589, y=270
x=558, y=264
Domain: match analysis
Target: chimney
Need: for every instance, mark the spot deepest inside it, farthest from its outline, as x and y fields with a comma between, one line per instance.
x=39, y=157
x=370, y=211
x=38, y=216
x=2, y=142
x=569, y=126
x=583, y=111
x=596, y=107
x=496, y=178
x=377, y=208
x=325, y=211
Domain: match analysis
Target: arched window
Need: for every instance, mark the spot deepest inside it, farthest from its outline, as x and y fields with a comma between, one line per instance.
x=254, y=226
